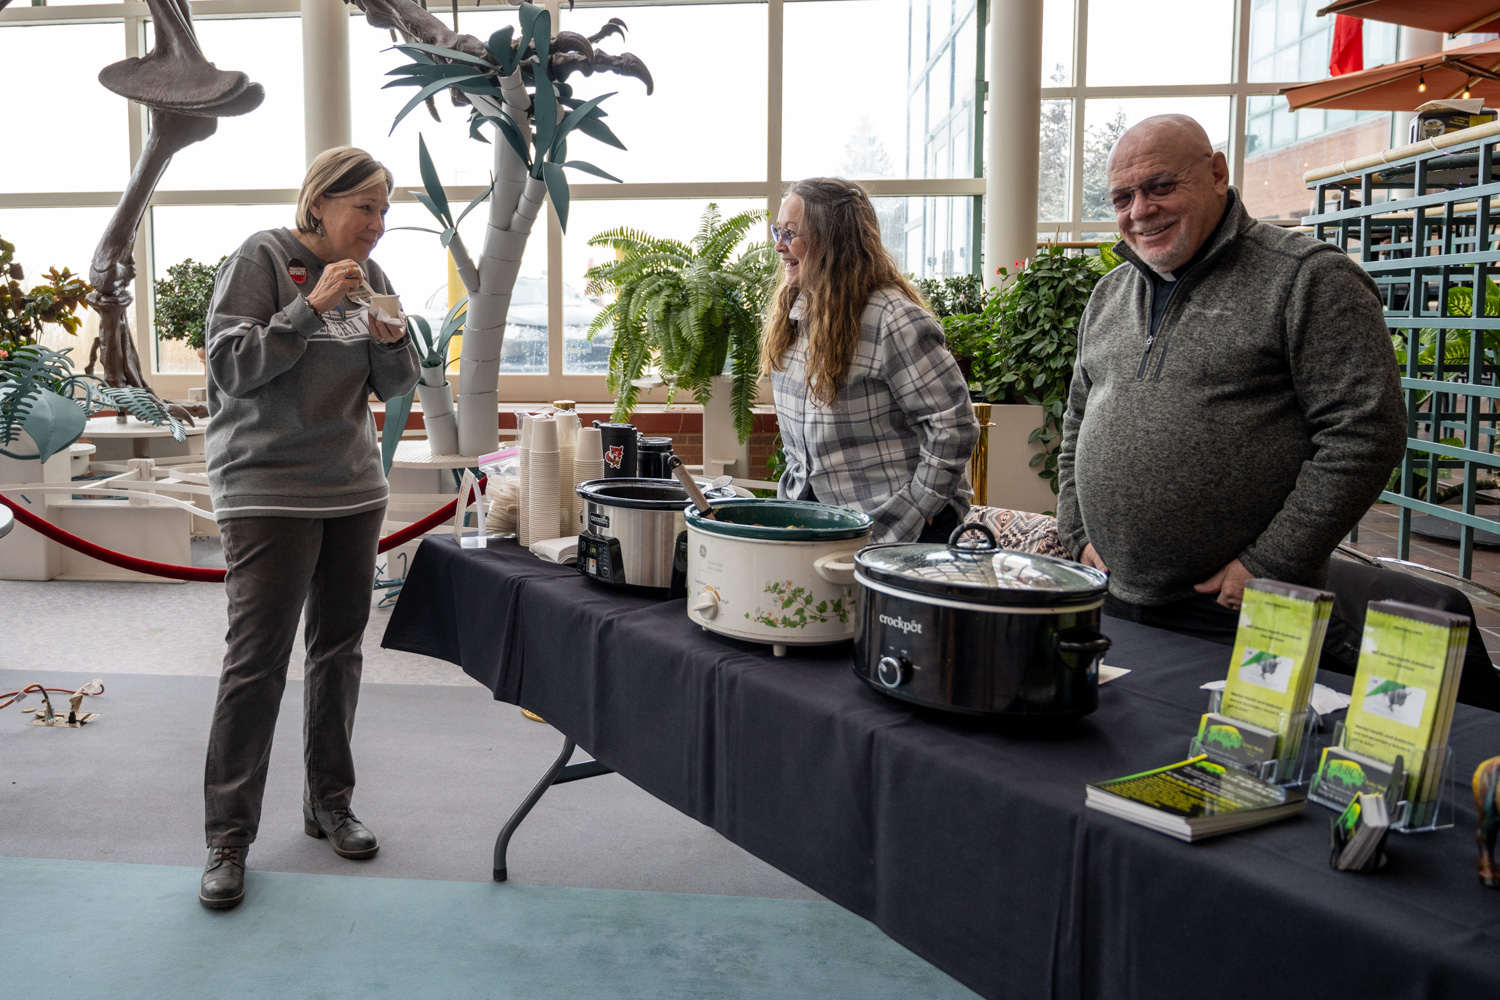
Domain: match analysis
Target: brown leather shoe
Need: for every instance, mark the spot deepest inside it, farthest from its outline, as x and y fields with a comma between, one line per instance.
x=223, y=878
x=350, y=838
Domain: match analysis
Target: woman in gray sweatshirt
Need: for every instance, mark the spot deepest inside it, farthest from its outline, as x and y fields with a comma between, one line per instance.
x=300, y=494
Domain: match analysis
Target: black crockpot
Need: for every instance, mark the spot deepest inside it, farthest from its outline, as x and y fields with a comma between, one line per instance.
x=980, y=630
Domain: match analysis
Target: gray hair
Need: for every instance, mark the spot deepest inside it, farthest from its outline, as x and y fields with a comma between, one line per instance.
x=335, y=173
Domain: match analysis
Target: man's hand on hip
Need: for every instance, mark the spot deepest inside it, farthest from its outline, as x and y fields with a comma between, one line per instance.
x=1091, y=558
x=1228, y=583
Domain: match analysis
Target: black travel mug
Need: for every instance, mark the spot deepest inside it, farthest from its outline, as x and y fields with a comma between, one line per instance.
x=619, y=443
x=654, y=454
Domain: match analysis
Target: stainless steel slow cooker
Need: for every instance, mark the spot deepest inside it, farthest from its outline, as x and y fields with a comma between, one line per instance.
x=631, y=532
x=776, y=571
x=979, y=629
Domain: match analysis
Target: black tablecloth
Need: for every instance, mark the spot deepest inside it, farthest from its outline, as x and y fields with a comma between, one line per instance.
x=967, y=843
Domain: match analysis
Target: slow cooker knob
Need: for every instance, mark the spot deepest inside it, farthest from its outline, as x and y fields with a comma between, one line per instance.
x=892, y=672
x=706, y=604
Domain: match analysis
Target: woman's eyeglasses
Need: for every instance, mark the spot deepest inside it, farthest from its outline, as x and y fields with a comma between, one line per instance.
x=779, y=235
x=1154, y=188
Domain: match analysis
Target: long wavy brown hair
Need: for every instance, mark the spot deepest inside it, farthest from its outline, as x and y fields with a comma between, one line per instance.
x=843, y=263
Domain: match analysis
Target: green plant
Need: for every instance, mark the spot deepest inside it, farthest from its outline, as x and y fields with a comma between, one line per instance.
x=685, y=309
x=22, y=313
x=432, y=351
x=1028, y=332
x=41, y=394
x=961, y=293
x=182, y=301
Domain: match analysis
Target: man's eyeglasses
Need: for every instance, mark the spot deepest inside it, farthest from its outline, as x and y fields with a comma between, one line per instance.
x=779, y=235
x=1154, y=188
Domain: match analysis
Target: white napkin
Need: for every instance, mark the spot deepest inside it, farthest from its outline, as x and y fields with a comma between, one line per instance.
x=558, y=550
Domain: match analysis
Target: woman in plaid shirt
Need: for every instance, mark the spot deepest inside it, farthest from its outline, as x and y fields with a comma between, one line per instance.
x=873, y=411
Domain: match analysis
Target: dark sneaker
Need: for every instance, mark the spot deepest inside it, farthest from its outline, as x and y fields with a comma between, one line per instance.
x=350, y=838
x=223, y=878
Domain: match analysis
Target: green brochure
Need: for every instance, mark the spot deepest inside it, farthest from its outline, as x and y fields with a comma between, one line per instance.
x=1275, y=659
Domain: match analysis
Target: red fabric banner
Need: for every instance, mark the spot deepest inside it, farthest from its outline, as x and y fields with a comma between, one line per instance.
x=1348, y=54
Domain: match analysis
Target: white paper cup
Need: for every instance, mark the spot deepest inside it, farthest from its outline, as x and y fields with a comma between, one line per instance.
x=590, y=447
x=543, y=436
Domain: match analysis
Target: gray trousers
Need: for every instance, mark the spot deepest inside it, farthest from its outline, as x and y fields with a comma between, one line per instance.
x=276, y=565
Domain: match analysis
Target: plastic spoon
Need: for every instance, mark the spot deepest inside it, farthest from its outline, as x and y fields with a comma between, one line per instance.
x=699, y=500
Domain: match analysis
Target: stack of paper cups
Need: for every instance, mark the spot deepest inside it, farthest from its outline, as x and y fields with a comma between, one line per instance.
x=588, y=460
x=541, y=509
x=567, y=448
x=523, y=525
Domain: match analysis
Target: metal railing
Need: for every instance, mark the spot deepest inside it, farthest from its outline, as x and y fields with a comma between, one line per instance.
x=1419, y=219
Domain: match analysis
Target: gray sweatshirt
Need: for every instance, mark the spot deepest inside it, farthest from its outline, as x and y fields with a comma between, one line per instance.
x=1259, y=422
x=290, y=432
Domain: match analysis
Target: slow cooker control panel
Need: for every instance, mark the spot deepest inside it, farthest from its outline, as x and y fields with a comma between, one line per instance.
x=600, y=558
x=893, y=671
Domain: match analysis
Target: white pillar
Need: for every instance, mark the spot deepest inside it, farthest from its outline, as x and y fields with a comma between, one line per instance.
x=325, y=75
x=1410, y=44
x=1012, y=131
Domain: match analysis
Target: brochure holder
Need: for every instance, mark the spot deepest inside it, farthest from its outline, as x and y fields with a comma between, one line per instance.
x=1409, y=816
x=469, y=498
x=1285, y=772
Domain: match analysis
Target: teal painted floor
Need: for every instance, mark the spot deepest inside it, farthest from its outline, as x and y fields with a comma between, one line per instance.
x=95, y=929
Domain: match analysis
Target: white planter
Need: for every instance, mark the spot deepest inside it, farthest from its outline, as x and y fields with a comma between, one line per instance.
x=437, y=415
x=1013, y=482
x=722, y=451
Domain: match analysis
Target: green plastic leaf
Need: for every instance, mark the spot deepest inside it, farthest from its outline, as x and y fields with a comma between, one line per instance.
x=579, y=113
x=430, y=181
x=589, y=168
x=592, y=127
x=513, y=136
x=421, y=334
x=413, y=48
x=544, y=113
x=430, y=205
x=477, y=201
x=422, y=95
x=500, y=49
x=396, y=412
x=447, y=235
x=54, y=422
x=557, y=190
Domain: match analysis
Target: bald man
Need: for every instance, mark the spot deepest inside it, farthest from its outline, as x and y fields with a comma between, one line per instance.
x=1235, y=407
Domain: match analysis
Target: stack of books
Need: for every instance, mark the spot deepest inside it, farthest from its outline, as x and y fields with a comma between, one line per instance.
x=1405, y=685
x=1263, y=711
x=1193, y=799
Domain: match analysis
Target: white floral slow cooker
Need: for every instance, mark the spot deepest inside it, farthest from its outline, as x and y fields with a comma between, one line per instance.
x=775, y=571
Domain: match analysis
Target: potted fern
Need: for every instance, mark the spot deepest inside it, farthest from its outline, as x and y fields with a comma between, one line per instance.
x=685, y=310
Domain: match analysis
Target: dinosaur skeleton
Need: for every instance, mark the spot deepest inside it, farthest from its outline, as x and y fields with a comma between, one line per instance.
x=187, y=96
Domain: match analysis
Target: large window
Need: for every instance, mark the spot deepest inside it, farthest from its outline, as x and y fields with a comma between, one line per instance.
x=880, y=90
x=1107, y=66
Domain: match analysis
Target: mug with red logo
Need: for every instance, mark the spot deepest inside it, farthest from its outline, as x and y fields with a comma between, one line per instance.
x=619, y=444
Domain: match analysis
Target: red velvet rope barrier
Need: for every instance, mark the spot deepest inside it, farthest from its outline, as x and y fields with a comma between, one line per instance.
x=198, y=574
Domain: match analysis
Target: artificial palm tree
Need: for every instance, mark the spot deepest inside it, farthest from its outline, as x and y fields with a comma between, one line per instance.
x=685, y=310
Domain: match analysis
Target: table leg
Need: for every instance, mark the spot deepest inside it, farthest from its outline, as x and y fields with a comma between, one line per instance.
x=558, y=772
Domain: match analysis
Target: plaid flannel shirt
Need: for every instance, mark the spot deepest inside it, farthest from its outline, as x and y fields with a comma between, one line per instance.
x=896, y=443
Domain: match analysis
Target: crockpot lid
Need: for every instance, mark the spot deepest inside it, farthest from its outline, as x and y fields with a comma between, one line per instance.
x=983, y=572
x=646, y=494
x=781, y=520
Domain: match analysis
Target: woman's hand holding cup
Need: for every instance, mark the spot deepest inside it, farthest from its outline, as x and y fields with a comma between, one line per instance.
x=337, y=280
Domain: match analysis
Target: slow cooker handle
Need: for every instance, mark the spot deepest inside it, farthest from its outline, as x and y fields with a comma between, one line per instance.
x=836, y=567
x=1090, y=647
x=979, y=526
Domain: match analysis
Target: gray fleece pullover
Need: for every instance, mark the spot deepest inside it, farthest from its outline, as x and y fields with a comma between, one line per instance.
x=290, y=431
x=1259, y=422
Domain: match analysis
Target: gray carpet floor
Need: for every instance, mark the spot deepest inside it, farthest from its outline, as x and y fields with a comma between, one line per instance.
x=441, y=764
